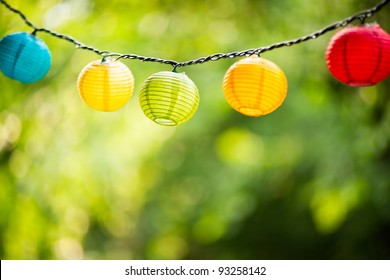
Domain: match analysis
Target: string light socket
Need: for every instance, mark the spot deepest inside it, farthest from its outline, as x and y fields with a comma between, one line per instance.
x=105, y=85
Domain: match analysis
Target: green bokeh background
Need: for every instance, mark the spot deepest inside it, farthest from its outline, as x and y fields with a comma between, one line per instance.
x=309, y=181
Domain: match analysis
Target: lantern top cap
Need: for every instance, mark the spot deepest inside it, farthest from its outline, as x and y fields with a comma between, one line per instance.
x=106, y=60
x=170, y=73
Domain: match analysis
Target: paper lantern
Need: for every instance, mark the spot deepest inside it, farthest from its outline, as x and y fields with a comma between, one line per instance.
x=255, y=86
x=169, y=98
x=24, y=57
x=105, y=85
x=359, y=55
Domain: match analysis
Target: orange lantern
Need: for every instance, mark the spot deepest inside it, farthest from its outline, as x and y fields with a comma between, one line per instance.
x=255, y=86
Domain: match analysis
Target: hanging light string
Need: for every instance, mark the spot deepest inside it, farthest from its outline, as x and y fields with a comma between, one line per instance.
x=361, y=16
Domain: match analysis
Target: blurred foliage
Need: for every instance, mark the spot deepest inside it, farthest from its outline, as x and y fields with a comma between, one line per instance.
x=309, y=181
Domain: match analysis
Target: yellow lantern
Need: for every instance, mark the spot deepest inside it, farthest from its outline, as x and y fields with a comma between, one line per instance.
x=169, y=98
x=255, y=86
x=105, y=85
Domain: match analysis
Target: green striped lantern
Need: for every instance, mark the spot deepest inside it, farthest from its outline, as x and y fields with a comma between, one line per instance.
x=169, y=98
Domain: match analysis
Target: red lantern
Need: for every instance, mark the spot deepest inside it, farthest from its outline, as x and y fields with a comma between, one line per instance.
x=359, y=55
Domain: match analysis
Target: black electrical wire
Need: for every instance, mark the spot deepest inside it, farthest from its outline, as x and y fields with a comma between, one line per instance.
x=361, y=16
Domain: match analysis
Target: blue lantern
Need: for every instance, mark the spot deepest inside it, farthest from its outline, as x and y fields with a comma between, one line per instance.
x=24, y=57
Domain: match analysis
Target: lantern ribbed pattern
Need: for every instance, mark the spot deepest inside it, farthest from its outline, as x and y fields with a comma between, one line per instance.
x=255, y=86
x=169, y=98
x=24, y=57
x=105, y=85
x=360, y=55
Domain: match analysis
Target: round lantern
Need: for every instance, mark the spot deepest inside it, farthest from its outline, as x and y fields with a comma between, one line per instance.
x=255, y=86
x=24, y=57
x=360, y=55
x=169, y=98
x=105, y=85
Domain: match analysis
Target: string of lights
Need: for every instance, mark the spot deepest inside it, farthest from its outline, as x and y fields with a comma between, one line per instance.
x=361, y=16
x=253, y=86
